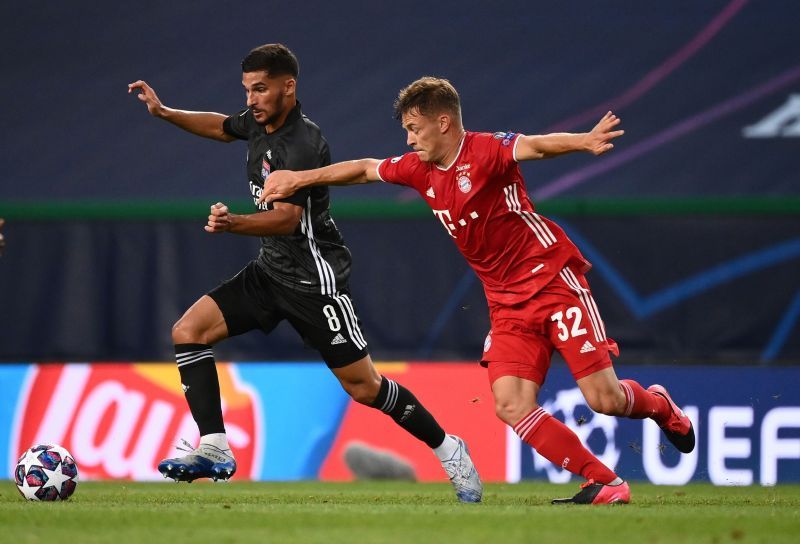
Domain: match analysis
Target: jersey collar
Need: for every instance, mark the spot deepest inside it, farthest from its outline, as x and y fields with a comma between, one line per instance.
x=293, y=117
x=458, y=154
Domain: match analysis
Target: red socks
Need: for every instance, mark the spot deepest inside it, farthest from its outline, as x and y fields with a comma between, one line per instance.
x=558, y=444
x=641, y=403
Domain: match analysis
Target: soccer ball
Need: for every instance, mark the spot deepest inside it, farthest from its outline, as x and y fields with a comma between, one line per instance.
x=46, y=473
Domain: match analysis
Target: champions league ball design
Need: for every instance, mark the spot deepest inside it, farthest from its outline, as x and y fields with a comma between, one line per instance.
x=46, y=473
x=596, y=432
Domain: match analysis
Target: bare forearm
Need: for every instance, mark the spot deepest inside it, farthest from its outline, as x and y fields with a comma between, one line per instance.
x=201, y=123
x=342, y=173
x=546, y=146
x=596, y=142
x=262, y=224
x=284, y=183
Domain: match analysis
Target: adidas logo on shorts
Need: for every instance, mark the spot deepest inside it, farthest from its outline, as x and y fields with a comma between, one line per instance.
x=587, y=347
x=338, y=339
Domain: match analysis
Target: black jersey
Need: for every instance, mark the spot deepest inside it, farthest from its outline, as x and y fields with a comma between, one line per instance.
x=313, y=258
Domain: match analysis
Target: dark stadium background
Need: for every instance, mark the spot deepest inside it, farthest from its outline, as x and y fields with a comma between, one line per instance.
x=693, y=228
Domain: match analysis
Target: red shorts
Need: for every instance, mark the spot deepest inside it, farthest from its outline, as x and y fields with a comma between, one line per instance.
x=562, y=316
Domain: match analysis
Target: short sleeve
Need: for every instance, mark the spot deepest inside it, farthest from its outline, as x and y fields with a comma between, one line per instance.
x=238, y=125
x=298, y=158
x=504, y=145
x=301, y=157
x=300, y=198
x=405, y=170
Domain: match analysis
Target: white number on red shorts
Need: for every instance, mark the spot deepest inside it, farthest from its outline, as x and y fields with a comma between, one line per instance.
x=575, y=315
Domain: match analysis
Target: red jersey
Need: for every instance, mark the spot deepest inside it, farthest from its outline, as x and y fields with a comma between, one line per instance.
x=481, y=200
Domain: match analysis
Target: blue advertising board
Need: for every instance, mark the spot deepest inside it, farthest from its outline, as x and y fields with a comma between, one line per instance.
x=746, y=420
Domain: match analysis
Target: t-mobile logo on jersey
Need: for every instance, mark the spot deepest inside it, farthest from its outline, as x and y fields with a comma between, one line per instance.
x=447, y=221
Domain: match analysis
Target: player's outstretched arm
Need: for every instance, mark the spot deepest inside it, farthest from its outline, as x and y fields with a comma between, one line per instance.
x=202, y=123
x=284, y=183
x=596, y=142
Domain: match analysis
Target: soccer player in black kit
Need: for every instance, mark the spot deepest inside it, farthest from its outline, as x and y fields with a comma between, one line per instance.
x=301, y=274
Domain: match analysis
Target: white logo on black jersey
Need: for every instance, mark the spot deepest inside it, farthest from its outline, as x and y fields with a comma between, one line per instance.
x=338, y=339
x=255, y=191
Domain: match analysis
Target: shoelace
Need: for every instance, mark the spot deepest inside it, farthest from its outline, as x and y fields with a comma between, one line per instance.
x=184, y=446
x=187, y=447
x=458, y=469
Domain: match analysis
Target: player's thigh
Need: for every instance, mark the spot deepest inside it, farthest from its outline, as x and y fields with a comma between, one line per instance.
x=514, y=387
x=202, y=323
x=602, y=391
x=247, y=302
x=514, y=397
x=517, y=361
x=328, y=324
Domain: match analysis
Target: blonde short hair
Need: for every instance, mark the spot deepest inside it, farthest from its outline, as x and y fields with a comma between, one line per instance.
x=429, y=95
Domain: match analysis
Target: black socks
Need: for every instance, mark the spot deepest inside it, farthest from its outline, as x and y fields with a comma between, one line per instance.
x=201, y=386
x=404, y=408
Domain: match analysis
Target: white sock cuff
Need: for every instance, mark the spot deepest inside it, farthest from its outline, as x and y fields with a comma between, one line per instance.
x=447, y=448
x=218, y=440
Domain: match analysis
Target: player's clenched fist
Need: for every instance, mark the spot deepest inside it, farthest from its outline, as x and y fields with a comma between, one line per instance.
x=220, y=218
x=148, y=96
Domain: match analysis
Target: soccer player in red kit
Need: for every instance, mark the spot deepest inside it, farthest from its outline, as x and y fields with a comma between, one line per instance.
x=532, y=273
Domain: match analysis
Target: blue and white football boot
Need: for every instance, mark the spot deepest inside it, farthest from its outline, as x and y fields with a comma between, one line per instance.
x=463, y=474
x=205, y=461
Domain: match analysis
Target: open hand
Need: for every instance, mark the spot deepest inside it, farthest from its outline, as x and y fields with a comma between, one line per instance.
x=598, y=141
x=220, y=218
x=148, y=96
x=280, y=184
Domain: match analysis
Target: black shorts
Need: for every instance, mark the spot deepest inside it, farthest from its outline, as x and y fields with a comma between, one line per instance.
x=329, y=324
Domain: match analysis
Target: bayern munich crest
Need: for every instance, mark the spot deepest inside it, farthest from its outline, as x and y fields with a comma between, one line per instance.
x=465, y=184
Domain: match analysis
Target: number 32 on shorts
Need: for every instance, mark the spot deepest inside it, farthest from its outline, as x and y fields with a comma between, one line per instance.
x=574, y=315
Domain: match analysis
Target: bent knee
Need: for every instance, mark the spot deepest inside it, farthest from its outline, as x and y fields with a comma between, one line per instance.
x=363, y=392
x=610, y=405
x=185, y=331
x=511, y=411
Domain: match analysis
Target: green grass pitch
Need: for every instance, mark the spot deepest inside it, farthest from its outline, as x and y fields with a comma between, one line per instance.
x=394, y=512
